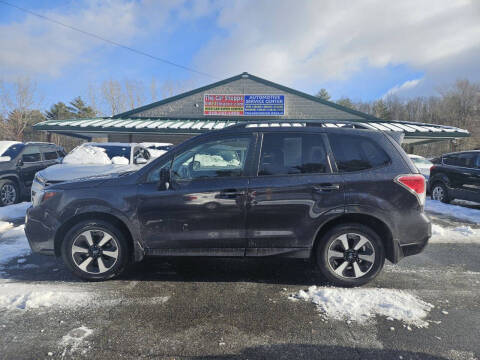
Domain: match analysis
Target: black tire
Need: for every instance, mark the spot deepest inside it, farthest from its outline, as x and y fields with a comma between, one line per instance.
x=440, y=192
x=6, y=186
x=96, y=227
x=372, y=249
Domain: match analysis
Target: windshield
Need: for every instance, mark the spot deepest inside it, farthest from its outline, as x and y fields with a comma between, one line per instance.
x=13, y=150
x=114, y=150
x=99, y=154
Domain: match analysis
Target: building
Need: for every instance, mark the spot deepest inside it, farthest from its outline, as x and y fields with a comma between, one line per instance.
x=244, y=97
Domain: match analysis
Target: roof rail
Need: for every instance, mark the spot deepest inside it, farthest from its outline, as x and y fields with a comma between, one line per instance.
x=304, y=123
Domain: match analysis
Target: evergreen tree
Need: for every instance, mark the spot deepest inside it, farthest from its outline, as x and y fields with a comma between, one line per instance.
x=381, y=110
x=59, y=111
x=81, y=110
x=346, y=102
x=323, y=94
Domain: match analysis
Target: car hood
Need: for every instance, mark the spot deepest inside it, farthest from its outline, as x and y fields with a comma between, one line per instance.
x=66, y=172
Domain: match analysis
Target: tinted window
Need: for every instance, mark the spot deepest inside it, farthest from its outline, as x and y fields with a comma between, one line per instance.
x=292, y=154
x=31, y=154
x=355, y=153
x=466, y=160
x=450, y=160
x=219, y=158
x=50, y=155
x=13, y=150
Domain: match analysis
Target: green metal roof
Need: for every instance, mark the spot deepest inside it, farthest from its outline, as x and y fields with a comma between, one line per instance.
x=196, y=126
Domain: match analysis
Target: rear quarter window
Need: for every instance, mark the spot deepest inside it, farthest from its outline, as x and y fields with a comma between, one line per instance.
x=357, y=153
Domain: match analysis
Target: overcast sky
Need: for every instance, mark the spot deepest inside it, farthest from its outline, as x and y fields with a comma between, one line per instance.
x=360, y=49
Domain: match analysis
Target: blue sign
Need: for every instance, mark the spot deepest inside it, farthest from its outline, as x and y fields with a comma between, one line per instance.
x=264, y=105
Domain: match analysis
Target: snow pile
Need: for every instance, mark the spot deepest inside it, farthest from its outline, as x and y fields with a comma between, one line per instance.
x=120, y=160
x=5, y=226
x=363, y=304
x=215, y=160
x=16, y=211
x=13, y=243
x=154, y=153
x=459, y=234
x=22, y=296
x=459, y=212
x=75, y=340
x=87, y=155
x=4, y=145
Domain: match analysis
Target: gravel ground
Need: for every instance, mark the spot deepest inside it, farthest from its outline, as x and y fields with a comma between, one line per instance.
x=240, y=309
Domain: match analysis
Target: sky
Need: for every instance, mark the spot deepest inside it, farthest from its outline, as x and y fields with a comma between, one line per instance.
x=363, y=49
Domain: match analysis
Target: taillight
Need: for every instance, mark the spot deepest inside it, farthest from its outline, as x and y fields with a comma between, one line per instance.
x=415, y=183
x=432, y=167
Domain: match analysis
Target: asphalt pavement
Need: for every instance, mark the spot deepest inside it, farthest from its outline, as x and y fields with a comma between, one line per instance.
x=240, y=309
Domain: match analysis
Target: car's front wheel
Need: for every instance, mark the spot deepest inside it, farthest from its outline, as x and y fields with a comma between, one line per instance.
x=9, y=193
x=350, y=255
x=95, y=250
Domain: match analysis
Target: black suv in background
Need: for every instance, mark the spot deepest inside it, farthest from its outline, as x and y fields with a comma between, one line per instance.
x=347, y=198
x=18, y=164
x=456, y=176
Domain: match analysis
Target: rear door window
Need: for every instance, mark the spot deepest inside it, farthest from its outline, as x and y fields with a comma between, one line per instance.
x=284, y=154
x=356, y=153
x=50, y=154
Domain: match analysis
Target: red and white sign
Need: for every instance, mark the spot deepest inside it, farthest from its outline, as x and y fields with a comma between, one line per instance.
x=223, y=104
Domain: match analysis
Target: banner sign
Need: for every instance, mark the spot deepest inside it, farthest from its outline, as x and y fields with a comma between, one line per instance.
x=244, y=105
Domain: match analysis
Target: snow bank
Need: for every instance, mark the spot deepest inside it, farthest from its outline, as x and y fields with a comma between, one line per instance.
x=363, y=304
x=13, y=243
x=120, y=160
x=215, y=160
x=460, y=234
x=459, y=212
x=23, y=296
x=87, y=155
x=16, y=211
x=156, y=153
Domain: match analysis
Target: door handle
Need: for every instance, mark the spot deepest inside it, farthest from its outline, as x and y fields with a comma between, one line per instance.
x=326, y=187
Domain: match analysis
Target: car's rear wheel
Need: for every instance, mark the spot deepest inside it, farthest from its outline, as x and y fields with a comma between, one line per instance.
x=440, y=193
x=9, y=193
x=95, y=250
x=350, y=255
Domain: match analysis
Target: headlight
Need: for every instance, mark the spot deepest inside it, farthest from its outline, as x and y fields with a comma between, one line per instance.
x=39, y=179
x=47, y=195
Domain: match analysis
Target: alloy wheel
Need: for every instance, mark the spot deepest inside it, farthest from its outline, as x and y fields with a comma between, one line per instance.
x=8, y=194
x=438, y=193
x=351, y=255
x=95, y=251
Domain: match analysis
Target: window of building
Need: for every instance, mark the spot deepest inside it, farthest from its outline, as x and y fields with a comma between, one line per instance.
x=284, y=154
x=356, y=153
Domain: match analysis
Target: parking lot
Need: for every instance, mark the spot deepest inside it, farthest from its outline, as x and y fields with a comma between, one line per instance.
x=245, y=309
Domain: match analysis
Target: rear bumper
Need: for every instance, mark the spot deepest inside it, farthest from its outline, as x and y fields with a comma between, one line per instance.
x=420, y=231
x=40, y=231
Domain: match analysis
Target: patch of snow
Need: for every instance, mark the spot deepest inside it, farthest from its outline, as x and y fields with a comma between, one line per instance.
x=4, y=225
x=120, y=160
x=16, y=211
x=4, y=145
x=156, y=153
x=455, y=211
x=363, y=304
x=87, y=155
x=215, y=160
x=460, y=234
x=23, y=296
x=13, y=244
x=75, y=340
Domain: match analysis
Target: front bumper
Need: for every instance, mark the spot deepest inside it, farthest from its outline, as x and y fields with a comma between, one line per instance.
x=40, y=229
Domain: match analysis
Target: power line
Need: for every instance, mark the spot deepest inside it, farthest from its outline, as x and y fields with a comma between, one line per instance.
x=139, y=52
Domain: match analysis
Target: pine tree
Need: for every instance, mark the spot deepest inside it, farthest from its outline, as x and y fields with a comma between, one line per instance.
x=346, y=102
x=81, y=110
x=59, y=111
x=323, y=94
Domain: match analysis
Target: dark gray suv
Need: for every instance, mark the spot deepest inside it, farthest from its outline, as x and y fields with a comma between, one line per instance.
x=347, y=198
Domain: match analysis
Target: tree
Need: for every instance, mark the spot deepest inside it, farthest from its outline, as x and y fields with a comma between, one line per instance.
x=323, y=94
x=19, y=101
x=58, y=111
x=381, y=110
x=80, y=110
x=346, y=102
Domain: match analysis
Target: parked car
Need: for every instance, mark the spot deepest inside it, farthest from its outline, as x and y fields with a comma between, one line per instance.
x=18, y=164
x=157, y=149
x=456, y=176
x=347, y=198
x=423, y=165
x=91, y=159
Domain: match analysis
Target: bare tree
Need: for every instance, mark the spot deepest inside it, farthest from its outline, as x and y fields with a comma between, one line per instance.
x=18, y=100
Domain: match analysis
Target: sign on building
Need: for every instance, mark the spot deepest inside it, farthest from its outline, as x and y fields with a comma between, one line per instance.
x=244, y=105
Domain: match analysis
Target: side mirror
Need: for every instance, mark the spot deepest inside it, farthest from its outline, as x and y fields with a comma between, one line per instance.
x=164, y=181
